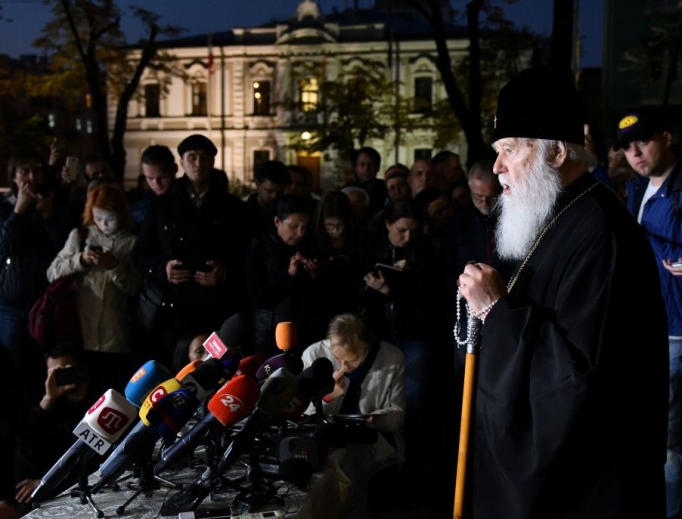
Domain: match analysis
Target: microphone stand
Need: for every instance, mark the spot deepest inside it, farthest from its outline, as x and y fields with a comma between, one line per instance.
x=83, y=493
x=147, y=481
x=472, y=342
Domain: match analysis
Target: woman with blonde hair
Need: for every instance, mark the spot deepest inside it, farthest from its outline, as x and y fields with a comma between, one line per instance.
x=101, y=260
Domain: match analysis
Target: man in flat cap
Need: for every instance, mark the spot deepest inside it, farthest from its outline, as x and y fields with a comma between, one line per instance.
x=572, y=396
x=654, y=199
x=192, y=245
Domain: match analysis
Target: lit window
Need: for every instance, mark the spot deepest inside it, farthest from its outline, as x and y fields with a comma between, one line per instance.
x=310, y=91
x=79, y=125
x=261, y=97
x=89, y=126
x=88, y=100
x=51, y=120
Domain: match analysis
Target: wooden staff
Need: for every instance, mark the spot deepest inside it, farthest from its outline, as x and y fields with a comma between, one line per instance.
x=473, y=328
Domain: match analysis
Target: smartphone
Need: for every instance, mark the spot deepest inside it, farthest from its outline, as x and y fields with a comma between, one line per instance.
x=97, y=248
x=194, y=267
x=72, y=167
x=66, y=376
x=676, y=264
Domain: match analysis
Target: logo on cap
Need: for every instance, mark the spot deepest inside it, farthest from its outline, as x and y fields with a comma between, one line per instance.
x=627, y=121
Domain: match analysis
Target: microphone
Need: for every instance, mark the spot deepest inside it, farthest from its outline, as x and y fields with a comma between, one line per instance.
x=103, y=424
x=150, y=375
x=233, y=331
x=204, y=378
x=167, y=409
x=314, y=382
x=231, y=403
x=230, y=367
x=290, y=361
x=276, y=393
x=164, y=419
x=228, y=339
x=286, y=336
x=249, y=365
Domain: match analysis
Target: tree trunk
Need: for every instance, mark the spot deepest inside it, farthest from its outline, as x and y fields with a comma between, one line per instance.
x=118, y=156
x=469, y=117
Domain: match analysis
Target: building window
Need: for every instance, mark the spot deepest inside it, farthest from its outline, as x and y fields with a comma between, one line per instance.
x=259, y=157
x=51, y=121
x=310, y=92
x=423, y=94
x=422, y=153
x=261, y=98
x=152, y=98
x=79, y=125
x=199, y=98
x=88, y=125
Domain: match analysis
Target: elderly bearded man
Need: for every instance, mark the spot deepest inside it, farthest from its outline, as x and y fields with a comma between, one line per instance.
x=572, y=397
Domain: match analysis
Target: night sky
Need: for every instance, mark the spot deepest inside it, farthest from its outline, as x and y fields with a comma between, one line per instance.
x=29, y=16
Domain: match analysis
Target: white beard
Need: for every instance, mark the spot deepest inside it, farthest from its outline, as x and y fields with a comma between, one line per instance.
x=526, y=209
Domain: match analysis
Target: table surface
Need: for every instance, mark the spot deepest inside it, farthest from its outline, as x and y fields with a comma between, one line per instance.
x=320, y=499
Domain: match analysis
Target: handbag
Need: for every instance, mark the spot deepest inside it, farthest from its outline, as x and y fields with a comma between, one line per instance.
x=153, y=310
x=53, y=318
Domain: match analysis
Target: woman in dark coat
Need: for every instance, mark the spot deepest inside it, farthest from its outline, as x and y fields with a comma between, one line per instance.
x=281, y=278
x=400, y=302
x=342, y=256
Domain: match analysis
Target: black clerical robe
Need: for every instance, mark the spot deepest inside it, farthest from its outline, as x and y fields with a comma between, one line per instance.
x=572, y=395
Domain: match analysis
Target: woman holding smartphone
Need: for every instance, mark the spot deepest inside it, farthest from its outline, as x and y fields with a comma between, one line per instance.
x=106, y=278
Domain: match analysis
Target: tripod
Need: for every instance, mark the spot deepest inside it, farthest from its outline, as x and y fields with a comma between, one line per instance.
x=83, y=493
x=147, y=483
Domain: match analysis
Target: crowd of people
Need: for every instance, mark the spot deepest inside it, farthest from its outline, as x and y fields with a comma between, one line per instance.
x=369, y=274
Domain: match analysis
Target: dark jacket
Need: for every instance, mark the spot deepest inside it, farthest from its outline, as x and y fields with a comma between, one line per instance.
x=276, y=296
x=175, y=229
x=663, y=226
x=28, y=244
x=408, y=311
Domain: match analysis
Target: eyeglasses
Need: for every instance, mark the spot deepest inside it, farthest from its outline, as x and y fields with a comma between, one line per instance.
x=335, y=226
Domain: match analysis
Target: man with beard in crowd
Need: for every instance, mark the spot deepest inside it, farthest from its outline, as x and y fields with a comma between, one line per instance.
x=562, y=362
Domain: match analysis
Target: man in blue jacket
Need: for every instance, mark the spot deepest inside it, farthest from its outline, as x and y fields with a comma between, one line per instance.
x=654, y=200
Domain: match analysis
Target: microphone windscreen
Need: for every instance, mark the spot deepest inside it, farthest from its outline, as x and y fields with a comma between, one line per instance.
x=249, y=365
x=157, y=394
x=233, y=331
x=190, y=368
x=230, y=368
x=110, y=415
x=290, y=361
x=235, y=400
x=286, y=335
x=204, y=379
x=172, y=412
x=150, y=375
x=318, y=378
x=277, y=391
